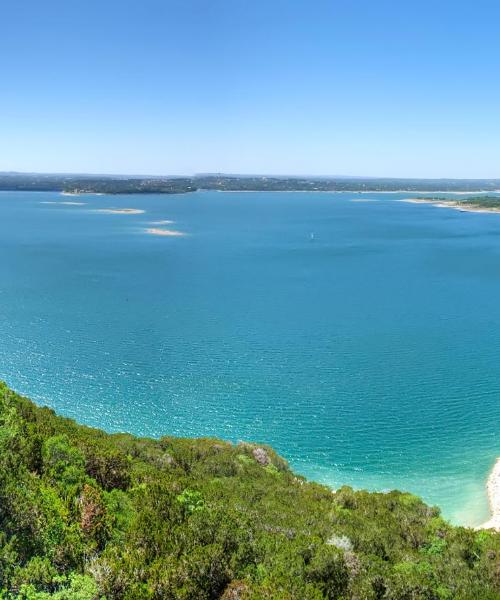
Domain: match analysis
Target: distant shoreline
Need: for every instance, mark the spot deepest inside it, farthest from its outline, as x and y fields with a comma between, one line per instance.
x=461, y=193
x=164, y=232
x=63, y=193
x=457, y=193
x=76, y=184
x=143, y=191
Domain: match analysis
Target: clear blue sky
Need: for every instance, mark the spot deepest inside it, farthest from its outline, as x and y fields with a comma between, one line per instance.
x=356, y=87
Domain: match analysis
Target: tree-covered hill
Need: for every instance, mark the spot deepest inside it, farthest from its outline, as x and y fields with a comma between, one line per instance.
x=135, y=184
x=86, y=515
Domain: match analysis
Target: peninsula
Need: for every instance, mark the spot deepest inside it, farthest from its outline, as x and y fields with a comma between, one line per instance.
x=479, y=204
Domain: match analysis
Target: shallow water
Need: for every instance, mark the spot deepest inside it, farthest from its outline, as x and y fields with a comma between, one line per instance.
x=367, y=356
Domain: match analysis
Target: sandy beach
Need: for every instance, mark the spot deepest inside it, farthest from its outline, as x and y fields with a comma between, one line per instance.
x=451, y=204
x=68, y=203
x=80, y=193
x=493, y=489
x=471, y=193
x=165, y=232
x=120, y=211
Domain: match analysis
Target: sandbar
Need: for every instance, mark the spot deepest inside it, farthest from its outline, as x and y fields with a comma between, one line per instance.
x=64, y=203
x=165, y=232
x=80, y=193
x=493, y=488
x=120, y=211
x=164, y=222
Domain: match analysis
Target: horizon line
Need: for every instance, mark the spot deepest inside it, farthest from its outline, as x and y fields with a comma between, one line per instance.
x=238, y=176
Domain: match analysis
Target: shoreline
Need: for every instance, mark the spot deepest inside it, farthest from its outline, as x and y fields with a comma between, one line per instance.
x=493, y=489
x=203, y=190
x=165, y=232
x=458, y=193
x=119, y=211
x=452, y=204
x=81, y=193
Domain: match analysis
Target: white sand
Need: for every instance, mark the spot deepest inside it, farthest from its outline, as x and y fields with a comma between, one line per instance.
x=450, y=204
x=165, y=232
x=65, y=203
x=164, y=222
x=80, y=193
x=120, y=211
x=493, y=488
x=472, y=193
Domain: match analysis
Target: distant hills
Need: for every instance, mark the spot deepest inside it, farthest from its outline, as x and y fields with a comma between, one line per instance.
x=137, y=184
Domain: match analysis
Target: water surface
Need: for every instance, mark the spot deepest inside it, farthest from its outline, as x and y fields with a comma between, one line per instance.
x=368, y=355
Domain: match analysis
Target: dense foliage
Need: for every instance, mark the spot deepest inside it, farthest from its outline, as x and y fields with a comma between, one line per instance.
x=342, y=184
x=175, y=185
x=81, y=184
x=486, y=202
x=86, y=515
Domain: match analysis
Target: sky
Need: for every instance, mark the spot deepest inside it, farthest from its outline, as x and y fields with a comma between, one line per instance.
x=312, y=87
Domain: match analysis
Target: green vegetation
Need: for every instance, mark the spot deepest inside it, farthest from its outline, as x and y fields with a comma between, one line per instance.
x=486, y=202
x=111, y=184
x=340, y=184
x=483, y=201
x=85, y=515
x=81, y=184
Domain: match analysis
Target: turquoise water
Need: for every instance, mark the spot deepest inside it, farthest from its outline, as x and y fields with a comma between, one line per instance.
x=368, y=356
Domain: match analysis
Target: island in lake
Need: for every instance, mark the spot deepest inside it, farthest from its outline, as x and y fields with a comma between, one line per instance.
x=120, y=211
x=165, y=232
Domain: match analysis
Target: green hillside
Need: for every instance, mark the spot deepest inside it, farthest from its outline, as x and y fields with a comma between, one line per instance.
x=86, y=515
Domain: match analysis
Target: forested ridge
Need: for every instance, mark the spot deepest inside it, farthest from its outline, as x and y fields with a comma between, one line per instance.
x=87, y=515
x=135, y=184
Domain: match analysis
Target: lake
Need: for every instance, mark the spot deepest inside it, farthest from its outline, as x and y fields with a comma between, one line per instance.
x=357, y=335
